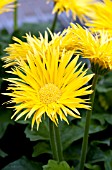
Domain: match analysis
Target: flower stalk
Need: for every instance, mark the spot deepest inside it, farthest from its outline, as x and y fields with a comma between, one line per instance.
x=15, y=15
x=87, y=125
x=54, y=22
x=55, y=141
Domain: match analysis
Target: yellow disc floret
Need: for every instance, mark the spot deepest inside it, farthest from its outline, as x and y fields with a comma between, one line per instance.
x=49, y=93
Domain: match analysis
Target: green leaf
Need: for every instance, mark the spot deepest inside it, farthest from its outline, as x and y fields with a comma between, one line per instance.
x=101, y=89
x=74, y=152
x=70, y=133
x=105, y=83
x=23, y=164
x=3, y=154
x=103, y=117
x=54, y=165
x=5, y=120
x=92, y=167
x=40, y=148
x=5, y=115
x=95, y=154
x=96, y=125
x=41, y=134
x=99, y=117
x=104, y=87
x=108, y=118
x=108, y=160
x=3, y=127
x=97, y=142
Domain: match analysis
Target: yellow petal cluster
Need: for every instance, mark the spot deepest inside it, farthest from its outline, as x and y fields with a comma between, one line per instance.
x=77, y=7
x=97, y=47
x=48, y=84
x=101, y=17
x=5, y=6
x=20, y=49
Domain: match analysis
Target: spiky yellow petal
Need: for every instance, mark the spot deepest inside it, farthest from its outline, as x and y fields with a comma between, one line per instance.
x=101, y=17
x=78, y=8
x=97, y=47
x=21, y=49
x=5, y=5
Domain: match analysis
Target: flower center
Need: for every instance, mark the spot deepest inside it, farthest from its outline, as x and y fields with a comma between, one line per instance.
x=49, y=93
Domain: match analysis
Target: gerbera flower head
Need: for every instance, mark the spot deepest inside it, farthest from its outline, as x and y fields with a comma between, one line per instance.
x=101, y=17
x=20, y=49
x=97, y=48
x=78, y=8
x=5, y=6
x=49, y=85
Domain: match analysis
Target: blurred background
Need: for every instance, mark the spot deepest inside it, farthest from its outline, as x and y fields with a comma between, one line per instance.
x=31, y=11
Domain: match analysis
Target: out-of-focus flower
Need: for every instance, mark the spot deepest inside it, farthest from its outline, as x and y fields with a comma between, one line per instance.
x=101, y=17
x=49, y=85
x=6, y=6
x=98, y=47
x=77, y=7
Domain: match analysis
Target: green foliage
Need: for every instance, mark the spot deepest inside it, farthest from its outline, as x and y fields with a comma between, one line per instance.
x=5, y=120
x=70, y=133
x=104, y=87
x=94, y=167
x=108, y=160
x=40, y=148
x=54, y=165
x=41, y=134
x=97, y=124
x=95, y=154
x=23, y=164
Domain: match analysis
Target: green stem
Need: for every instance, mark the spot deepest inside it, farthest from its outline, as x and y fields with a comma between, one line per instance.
x=87, y=125
x=54, y=22
x=55, y=141
x=15, y=16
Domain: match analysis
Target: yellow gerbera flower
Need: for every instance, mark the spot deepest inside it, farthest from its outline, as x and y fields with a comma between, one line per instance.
x=101, y=17
x=49, y=85
x=5, y=6
x=20, y=49
x=78, y=8
x=98, y=48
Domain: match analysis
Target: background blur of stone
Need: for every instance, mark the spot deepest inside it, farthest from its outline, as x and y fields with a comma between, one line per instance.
x=32, y=11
